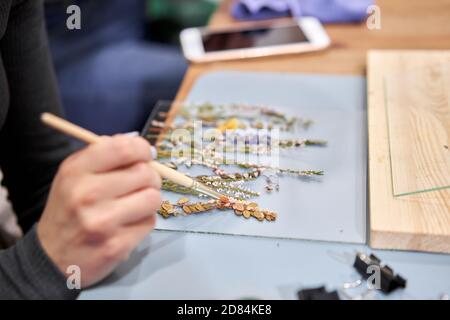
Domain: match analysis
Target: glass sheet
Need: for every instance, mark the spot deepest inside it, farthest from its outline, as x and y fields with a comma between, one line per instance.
x=418, y=116
x=303, y=204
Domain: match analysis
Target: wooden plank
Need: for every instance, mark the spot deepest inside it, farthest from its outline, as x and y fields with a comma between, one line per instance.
x=416, y=222
x=418, y=109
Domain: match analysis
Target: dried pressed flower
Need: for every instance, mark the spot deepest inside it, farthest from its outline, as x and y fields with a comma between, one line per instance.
x=240, y=208
x=242, y=120
x=183, y=201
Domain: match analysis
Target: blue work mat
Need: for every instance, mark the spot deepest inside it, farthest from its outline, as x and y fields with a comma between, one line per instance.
x=185, y=265
x=329, y=208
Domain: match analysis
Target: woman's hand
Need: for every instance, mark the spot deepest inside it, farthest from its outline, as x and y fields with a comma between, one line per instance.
x=102, y=203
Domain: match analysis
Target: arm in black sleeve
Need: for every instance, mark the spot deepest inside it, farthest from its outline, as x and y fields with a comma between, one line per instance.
x=26, y=272
x=30, y=153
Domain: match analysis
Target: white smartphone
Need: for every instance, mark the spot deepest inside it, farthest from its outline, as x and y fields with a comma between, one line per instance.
x=206, y=45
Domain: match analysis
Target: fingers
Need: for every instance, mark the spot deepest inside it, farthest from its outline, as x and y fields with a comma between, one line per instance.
x=132, y=208
x=136, y=232
x=114, y=152
x=133, y=234
x=120, y=246
x=110, y=218
x=122, y=182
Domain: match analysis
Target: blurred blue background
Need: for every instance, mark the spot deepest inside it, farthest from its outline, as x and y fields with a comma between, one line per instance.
x=123, y=60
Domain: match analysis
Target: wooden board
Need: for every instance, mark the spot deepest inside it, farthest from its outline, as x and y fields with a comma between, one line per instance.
x=418, y=110
x=414, y=222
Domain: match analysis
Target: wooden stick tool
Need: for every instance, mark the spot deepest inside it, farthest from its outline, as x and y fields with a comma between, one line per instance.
x=164, y=171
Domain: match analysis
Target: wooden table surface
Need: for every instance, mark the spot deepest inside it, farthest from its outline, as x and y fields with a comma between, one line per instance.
x=413, y=24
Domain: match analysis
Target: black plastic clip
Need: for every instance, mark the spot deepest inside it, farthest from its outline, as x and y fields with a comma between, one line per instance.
x=388, y=280
x=319, y=293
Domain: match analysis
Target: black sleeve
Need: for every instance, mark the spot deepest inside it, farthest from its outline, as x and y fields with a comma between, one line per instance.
x=30, y=153
x=26, y=272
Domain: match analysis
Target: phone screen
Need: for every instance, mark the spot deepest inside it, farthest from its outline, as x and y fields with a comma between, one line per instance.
x=253, y=38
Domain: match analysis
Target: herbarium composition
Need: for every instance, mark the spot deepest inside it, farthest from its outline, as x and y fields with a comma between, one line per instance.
x=234, y=129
